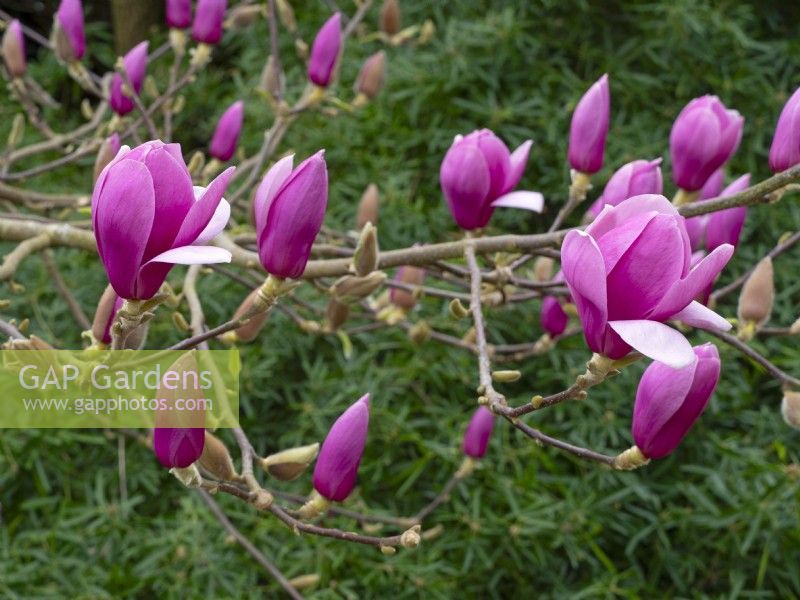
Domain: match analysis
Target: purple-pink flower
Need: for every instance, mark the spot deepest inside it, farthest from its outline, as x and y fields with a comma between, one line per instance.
x=478, y=434
x=179, y=13
x=69, y=19
x=135, y=62
x=785, y=149
x=669, y=401
x=289, y=208
x=696, y=226
x=589, y=128
x=13, y=49
x=208, y=18
x=147, y=218
x=633, y=179
x=178, y=447
x=552, y=317
x=337, y=465
x=629, y=271
x=478, y=174
x=704, y=136
x=325, y=52
x=725, y=226
x=226, y=135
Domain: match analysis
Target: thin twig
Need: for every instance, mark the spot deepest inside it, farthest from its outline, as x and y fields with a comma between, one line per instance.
x=750, y=353
x=64, y=291
x=12, y=260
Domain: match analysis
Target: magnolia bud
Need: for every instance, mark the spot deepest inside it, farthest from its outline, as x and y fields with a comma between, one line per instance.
x=13, y=49
x=351, y=288
x=106, y=310
x=506, y=376
x=108, y=150
x=409, y=275
x=62, y=47
x=368, y=207
x=336, y=314
x=286, y=15
x=242, y=16
x=365, y=259
x=390, y=17
x=790, y=408
x=758, y=294
x=290, y=464
x=216, y=459
x=250, y=330
x=271, y=79
x=543, y=269
x=370, y=80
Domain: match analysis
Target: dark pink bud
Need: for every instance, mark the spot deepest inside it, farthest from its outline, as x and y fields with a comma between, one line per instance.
x=135, y=62
x=785, y=149
x=704, y=136
x=226, y=135
x=478, y=433
x=179, y=13
x=69, y=20
x=13, y=49
x=669, y=401
x=725, y=226
x=552, y=317
x=632, y=179
x=289, y=208
x=589, y=128
x=325, y=52
x=208, y=18
x=337, y=465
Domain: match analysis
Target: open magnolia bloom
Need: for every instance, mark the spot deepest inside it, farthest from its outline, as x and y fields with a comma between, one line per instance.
x=630, y=271
x=147, y=217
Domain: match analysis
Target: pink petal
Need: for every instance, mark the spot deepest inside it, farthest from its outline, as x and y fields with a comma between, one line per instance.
x=201, y=213
x=584, y=272
x=688, y=288
x=612, y=216
x=702, y=317
x=268, y=189
x=217, y=223
x=519, y=158
x=192, y=255
x=655, y=340
x=532, y=201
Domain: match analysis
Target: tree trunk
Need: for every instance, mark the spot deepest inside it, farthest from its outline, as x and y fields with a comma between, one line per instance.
x=132, y=21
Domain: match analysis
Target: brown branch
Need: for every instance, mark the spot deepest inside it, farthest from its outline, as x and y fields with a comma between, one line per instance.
x=12, y=260
x=750, y=353
x=547, y=440
x=64, y=291
x=41, y=200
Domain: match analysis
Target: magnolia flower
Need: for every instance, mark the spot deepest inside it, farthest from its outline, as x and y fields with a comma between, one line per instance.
x=725, y=226
x=696, y=226
x=785, y=149
x=633, y=179
x=589, y=128
x=147, y=217
x=478, y=173
x=107, y=308
x=208, y=18
x=552, y=317
x=325, y=52
x=13, y=49
x=371, y=77
x=135, y=62
x=704, y=136
x=108, y=150
x=68, y=34
x=669, y=401
x=289, y=207
x=478, y=434
x=629, y=271
x=337, y=465
x=226, y=135
x=179, y=13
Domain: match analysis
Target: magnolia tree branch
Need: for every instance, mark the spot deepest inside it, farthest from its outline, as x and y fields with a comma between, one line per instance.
x=750, y=353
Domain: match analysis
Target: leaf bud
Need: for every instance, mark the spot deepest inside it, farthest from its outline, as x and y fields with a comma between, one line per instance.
x=367, y=254
x=216, y=459
x=287, y=465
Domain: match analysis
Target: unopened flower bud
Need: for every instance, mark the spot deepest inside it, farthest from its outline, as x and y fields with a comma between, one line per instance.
x=271, y=79
x=372, y=75
x=250, y=330
x=286, y=15
x=419, y=333
x=13, y=49
x=365, y=259
x=478, y=433
x=336, y=314
x=107, y=308
x=790, y=408
x=458, y=310
x=216, y=459
x=390, y=17
x=543, y=269
x=411, y=537
x=368, y=207
x=758, y=294
x=287, y=465
x=108, y=150
x=242, y=16
x=351, y=288
x=68, y=37
x=409, y=275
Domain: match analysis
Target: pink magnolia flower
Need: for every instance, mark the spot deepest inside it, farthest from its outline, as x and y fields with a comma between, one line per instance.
x=633, y=179
x=226, y=135
x=478, y=173
x=340, y=456
x=478, y=434
x=704, y=136
x=147, y=218
x=629, y=271
x=69, y=21
x=552, y=317
x=696, y=226
x=207, y=26
x=725, y=226
x=179, y=13
x=669, y=401
x=589, y=128
x=785, y=149
x=325, y=52
x=135, y=66
x=13, y=49
x=288, y=209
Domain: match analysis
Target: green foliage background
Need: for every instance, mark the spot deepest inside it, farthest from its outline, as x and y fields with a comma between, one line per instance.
x=719, y=518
